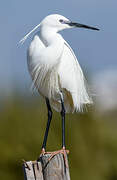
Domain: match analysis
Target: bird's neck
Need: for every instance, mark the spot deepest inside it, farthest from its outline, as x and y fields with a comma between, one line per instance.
x=54, y=43
x=47, y=35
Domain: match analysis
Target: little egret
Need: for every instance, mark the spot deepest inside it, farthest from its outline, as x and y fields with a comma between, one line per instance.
x=55, y=71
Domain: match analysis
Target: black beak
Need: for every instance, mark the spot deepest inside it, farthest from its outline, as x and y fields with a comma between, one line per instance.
x=82, y=26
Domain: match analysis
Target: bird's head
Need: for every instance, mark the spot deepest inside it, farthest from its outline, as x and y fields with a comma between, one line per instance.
x=58, y=22
x=55, y=22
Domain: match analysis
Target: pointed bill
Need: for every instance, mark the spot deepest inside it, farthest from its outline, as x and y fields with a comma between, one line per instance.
x=74, y=24
x=83, y=26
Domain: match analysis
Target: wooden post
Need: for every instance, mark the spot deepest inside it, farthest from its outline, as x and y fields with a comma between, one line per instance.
x=55, y=169
x=32, y=170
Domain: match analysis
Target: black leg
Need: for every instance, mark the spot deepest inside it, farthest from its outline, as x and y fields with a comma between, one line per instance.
x=48, y=124
x=63, y=122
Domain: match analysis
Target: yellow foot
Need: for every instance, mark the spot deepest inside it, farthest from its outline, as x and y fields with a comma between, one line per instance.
x=61, y=151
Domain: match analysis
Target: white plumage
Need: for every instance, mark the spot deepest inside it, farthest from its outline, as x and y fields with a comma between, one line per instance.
x=54, y=67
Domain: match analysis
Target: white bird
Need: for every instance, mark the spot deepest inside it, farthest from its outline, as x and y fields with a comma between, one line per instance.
x=56, y=72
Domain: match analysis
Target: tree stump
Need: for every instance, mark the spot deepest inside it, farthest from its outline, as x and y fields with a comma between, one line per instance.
x=55, y=169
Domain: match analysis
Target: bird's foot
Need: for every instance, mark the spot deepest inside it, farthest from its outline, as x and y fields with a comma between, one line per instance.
x=52, y=154
x=43, y=152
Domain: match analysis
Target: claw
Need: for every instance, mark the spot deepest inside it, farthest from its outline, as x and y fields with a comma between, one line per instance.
x=62, y=151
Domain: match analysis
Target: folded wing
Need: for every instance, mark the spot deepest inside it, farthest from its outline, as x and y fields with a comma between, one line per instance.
x=72, y=80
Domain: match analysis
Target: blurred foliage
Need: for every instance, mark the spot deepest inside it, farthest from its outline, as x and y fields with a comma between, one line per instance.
x=91, y=138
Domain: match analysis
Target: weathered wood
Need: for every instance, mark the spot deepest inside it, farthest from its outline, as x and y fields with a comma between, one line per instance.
x=32, y=170
x=55, y=169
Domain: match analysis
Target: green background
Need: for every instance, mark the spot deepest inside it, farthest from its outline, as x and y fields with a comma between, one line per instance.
x=91, y=138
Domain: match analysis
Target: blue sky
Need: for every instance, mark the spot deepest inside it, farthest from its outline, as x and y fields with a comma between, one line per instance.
x=96, y=51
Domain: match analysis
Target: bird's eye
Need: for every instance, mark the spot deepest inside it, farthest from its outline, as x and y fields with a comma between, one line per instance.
x=61, y=21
